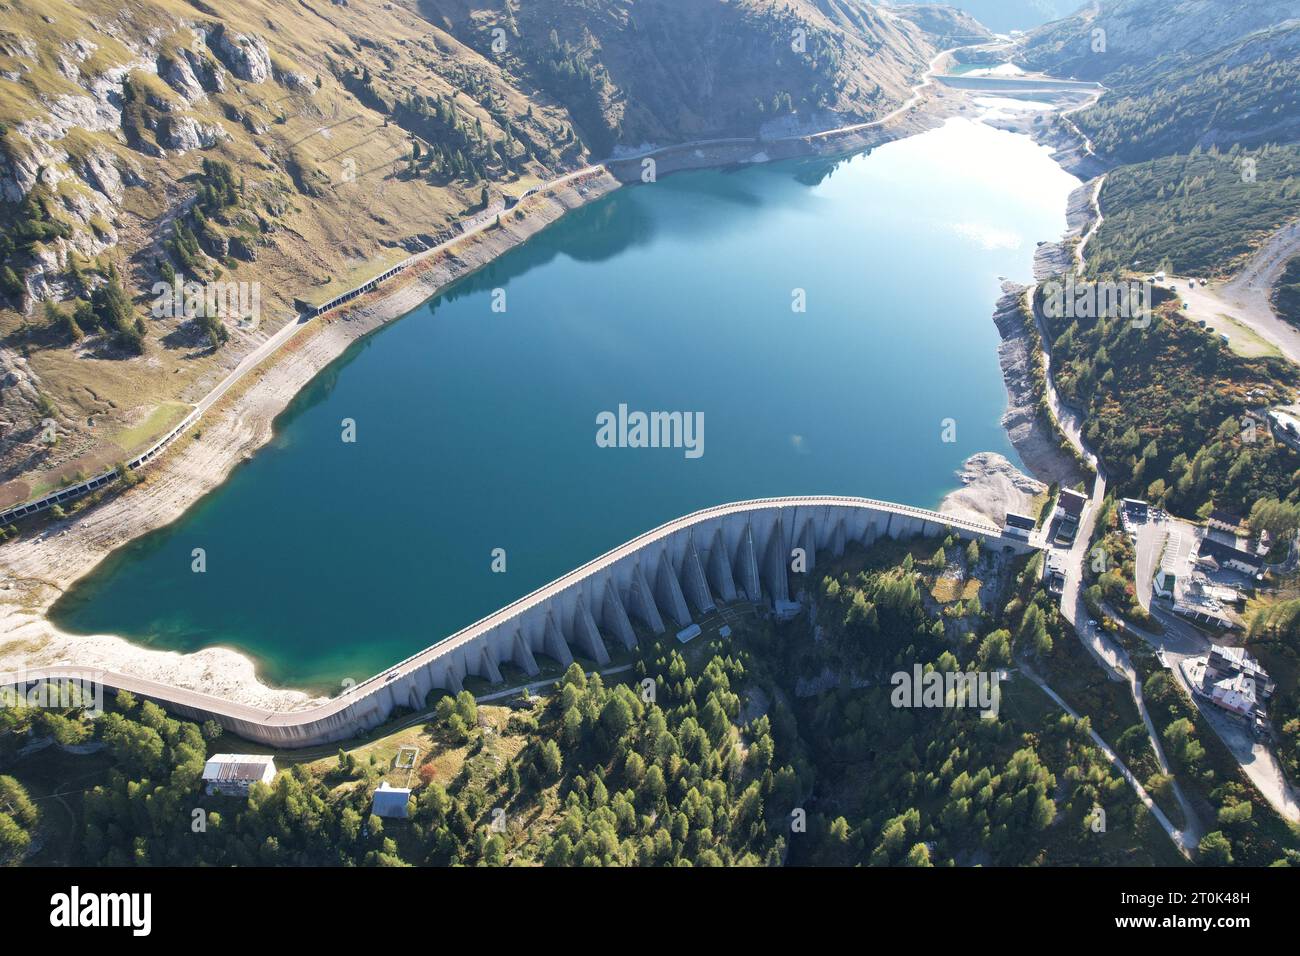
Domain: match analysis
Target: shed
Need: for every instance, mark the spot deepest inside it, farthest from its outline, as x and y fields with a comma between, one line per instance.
x=391, y=802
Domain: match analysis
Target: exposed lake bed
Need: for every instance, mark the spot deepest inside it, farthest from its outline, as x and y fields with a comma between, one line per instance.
x=811, y=213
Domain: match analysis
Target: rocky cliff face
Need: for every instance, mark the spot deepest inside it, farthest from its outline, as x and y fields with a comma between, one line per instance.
x=673, y=70
x=245, y=56
x=354, y=129
x=1106, y=37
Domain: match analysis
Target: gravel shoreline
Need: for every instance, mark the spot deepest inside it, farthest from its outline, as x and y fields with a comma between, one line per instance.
x=991, y=484
x=35, y=571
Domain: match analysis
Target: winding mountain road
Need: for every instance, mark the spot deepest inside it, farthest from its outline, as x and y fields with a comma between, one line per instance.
x=1246, y=296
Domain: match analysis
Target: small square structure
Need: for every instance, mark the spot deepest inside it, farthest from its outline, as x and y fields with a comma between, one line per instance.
x=1019, y=526
x=786, y=610
x=391, y=802
x=1072, y=502
x=234, y=774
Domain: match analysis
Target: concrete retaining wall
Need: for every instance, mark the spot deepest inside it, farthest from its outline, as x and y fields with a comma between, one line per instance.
x=661, y=580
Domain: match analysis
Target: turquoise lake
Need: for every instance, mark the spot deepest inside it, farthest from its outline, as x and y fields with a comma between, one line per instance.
x=476, y=429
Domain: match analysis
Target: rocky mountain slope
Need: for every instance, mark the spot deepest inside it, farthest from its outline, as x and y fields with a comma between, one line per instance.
x=1210, y=85
x=667, y=70
x=1137, y=32
x=301, y=146
x=1180, y=75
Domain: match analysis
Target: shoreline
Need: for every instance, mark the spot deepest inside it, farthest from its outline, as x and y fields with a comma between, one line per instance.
x=1038, y=443
x=38, y=569
x=991, y=483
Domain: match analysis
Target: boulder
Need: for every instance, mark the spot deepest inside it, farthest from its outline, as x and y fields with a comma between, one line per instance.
x=100, y=172
x=183, y=133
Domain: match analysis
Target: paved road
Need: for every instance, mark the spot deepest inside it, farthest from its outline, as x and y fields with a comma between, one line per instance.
x=1148, y=547
x=327, y=709
x=1249, y=290
x=250, y=361
x=1245, y=299
x=1068, y=117
x=1251, y=326
x=1123, y=669
x=1181, y=641
x=539, y=684
x=1080, y=262
x=1185, y=840
x=917, y=94
x=1257, y=760
x=1112, y=658
x=1246, y=296
x=1109, y=655
x=1069, y=421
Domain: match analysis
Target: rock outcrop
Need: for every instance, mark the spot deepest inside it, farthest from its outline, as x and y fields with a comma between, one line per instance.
x=244, y=55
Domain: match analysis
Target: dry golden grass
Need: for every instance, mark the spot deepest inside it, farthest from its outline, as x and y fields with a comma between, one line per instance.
x=366, y=217
x=948, y=588
x=362, y=211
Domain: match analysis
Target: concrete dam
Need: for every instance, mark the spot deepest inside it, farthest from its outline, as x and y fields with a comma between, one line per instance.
x=661, y=580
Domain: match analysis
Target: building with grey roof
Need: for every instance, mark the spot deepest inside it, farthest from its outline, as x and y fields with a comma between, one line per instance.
x=234, y=774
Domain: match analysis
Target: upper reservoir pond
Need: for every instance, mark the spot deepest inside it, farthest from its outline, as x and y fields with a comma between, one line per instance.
x=476, y=429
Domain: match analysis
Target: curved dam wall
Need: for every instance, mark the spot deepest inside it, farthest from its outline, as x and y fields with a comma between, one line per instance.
x=661, y=580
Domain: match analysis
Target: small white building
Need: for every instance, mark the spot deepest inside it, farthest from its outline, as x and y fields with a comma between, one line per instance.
x=1018, y=526
x=1232, y=680
x=234, y=774
x=1071, y=503
x=391, y=802
x=1136, y=509
x=1173, y=567
x=1055, y=573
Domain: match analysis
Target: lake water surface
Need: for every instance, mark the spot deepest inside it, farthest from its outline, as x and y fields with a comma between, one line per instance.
x=476, y=429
